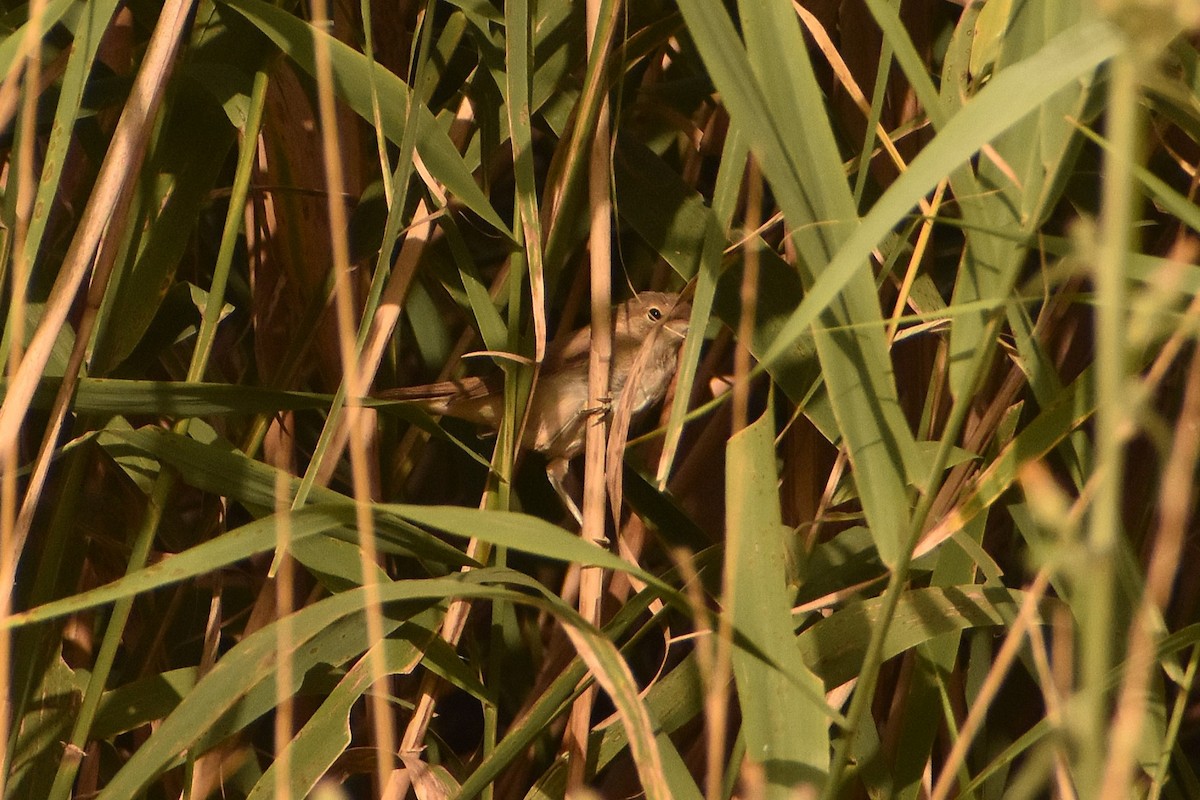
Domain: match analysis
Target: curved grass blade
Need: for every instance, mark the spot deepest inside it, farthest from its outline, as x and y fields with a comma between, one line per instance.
x=786, y=726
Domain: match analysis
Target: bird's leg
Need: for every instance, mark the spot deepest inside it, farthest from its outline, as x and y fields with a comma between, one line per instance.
x=556, y=470
x=602, y=409
x=561, y=443
x=557, y=467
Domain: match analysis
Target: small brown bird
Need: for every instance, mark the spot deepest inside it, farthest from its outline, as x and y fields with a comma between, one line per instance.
x=558, y=408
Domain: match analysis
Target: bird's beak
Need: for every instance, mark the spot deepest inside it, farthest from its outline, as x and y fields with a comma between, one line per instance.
x=677, y=327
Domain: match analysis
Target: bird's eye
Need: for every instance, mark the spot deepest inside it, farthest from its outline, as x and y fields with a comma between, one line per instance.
x=654, y=314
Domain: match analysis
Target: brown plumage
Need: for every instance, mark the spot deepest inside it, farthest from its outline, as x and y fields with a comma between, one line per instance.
x=558, y=409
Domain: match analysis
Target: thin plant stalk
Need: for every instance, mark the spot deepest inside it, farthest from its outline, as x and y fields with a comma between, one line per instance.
x=1104, y=524
x=356, y=417
x=385, y=163
x=1004, y=660
x=1175, y=501
x=716, y=701
x=9, y=536
x=591, y=581
x=284, y=587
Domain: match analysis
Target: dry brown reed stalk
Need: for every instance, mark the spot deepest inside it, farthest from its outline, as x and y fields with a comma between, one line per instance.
x=355, y=419
x=28, y=65
x=591, y=587
x=284, y=585
x=1055, y=712
x=622, y=419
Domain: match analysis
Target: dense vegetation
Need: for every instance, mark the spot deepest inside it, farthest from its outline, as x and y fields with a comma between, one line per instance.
x=916, y=520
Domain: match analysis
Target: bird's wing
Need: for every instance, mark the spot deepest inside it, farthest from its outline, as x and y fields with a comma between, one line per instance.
x=574, y=347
